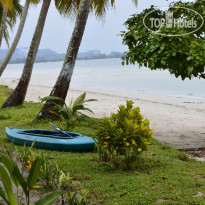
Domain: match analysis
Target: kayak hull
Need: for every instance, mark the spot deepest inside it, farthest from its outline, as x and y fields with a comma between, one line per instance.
x=51, y=140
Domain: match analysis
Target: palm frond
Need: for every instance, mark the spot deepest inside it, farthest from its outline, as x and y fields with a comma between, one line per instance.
x=34, y=1
x=67, y=8
x=11, y=19
x=8, y=4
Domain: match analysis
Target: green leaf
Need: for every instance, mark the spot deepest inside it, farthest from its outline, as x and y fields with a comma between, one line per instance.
x=9, y=164
x=190, y=69
x=89, y=110
x=58, y=107
x=21, y=179
x=8, y=186
x=189, y=58
x=163, y=62
x=34, y=172
x=4, y=196
x=14, y=172
x=52, y=98
x=64, y=114
x=78, y=107
x=48, y=199
x=80, y=99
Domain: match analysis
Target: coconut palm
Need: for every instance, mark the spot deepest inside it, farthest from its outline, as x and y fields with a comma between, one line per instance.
x=62, y=84
x=8, y=19
x=7, y=6
x=18, y=35
x=18, y=95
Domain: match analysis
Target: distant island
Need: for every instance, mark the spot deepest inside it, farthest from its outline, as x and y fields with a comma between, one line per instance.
x=47, y=55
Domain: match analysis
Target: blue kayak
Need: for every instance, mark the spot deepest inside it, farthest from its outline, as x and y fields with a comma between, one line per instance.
x=51, y=140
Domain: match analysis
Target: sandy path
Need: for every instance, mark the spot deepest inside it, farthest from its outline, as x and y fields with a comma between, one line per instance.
x=176, y=121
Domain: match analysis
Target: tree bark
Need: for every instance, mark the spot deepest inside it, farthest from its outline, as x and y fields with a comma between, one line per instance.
x=16, y=39
x=62, y=84
x=3, y=24
x=18, y=95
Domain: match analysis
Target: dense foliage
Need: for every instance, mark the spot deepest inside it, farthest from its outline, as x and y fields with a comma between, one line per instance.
x=182, y=55
x=124, y=133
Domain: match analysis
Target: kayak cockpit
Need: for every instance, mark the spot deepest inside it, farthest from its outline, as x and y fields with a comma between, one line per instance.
x=48, y=133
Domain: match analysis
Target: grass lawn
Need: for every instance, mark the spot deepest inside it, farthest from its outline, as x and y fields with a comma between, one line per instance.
x=162, y=173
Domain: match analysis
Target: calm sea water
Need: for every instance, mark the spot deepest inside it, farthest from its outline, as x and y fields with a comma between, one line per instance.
x=109, y=74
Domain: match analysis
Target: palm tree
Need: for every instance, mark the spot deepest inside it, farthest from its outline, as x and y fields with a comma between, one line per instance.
x=8, y=18
x=18, y=95
x=62, y=84
x=7, y=6
x=17, y=37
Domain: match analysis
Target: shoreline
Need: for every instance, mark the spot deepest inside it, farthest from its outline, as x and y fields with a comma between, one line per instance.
x=177, y=121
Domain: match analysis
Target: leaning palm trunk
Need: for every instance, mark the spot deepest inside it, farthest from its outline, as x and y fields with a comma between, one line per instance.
x=63, y=82
x=18, y=95
x=3, y=24
x=16, y=39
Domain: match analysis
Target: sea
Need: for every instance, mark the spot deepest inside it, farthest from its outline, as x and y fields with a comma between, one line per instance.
x=110, y=75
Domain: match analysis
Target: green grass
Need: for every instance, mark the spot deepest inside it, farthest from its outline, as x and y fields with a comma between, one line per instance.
x=161, y=173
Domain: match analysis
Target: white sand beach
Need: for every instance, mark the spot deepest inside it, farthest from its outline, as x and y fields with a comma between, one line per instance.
x=177, y=121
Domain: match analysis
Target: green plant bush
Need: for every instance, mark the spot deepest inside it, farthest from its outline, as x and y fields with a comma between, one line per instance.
x=125, y=134
x=70, y=114
x=10, y=174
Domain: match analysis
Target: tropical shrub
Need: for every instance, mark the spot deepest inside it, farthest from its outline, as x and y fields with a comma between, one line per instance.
x=10, y=174
x=125, y=134
x=69, y=114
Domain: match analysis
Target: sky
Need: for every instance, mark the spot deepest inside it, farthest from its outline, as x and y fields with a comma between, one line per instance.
x=99, y=34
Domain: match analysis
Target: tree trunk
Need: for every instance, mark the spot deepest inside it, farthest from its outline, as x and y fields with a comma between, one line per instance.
x=62, y=84
x=16, y=39
x=3, y=24
x=18, y=95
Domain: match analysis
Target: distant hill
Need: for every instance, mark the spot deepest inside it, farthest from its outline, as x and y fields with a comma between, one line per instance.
x=47, y=55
